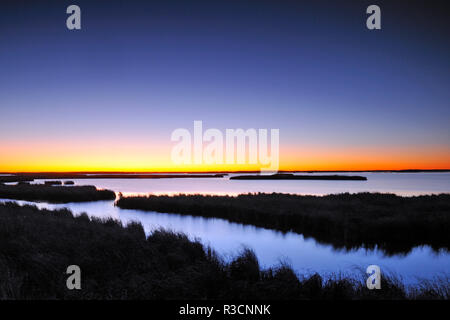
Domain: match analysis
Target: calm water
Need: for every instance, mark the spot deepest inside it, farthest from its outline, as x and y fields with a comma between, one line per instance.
x=407, y=184
x=271, y=247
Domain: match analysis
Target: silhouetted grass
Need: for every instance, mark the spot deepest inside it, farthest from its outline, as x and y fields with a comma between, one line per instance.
x=56, y=194
x=120, y=262
x=393, y=223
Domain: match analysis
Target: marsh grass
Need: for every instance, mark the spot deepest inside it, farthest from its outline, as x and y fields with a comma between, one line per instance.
x=392, y=223
x=121, y=262
x=55, y=194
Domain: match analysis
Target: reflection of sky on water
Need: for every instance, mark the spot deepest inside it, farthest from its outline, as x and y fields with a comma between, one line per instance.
x=272, y=247
x=407, y=184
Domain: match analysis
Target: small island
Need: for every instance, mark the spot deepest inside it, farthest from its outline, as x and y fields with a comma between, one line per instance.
x=54, y=193
x=290, y=176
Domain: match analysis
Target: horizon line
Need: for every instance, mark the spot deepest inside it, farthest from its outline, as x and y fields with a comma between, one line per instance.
x=217, y=171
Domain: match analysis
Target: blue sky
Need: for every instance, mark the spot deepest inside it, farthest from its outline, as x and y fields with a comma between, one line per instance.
x=311, y=69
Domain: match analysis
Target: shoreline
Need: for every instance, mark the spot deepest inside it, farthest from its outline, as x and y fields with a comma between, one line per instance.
x=211, y=171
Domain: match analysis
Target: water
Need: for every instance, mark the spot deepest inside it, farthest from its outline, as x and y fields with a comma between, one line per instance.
x=406, y=184
x=271, y=247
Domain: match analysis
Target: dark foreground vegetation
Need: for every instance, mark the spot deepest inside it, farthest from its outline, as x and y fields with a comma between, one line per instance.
x=56, y=194
x=290, y=176
x=393, y=223
x=117, y=262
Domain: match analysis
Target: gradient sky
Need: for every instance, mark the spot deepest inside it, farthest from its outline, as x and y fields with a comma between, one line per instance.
x=108, y=97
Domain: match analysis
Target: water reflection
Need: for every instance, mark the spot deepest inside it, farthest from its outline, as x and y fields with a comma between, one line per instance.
x=406, y=184
x=273, y=247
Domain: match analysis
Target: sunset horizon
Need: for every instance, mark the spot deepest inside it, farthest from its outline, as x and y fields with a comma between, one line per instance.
x=217, y=158
x=256, y=170
x=345, y=98
x=123, y=157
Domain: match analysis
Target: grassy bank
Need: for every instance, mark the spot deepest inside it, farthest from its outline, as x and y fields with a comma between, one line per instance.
x=394, y=223
x=55, y=194
x=117, y=262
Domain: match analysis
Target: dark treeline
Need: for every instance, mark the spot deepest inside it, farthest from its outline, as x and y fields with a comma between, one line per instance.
x=282, y=175
x=117, y=262
x=56, y=194
x=395, y=224
x=289, y=176
x=68, y=175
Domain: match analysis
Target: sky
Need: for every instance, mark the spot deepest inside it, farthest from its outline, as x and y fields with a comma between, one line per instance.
x=107, y=97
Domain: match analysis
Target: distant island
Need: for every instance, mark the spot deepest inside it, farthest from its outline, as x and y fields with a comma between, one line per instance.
x=290, y=176
x=54, y=193
x=9, y=177
x=29, y=177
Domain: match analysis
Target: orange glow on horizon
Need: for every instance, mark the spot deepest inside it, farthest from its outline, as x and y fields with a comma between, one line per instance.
x=124, y=157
